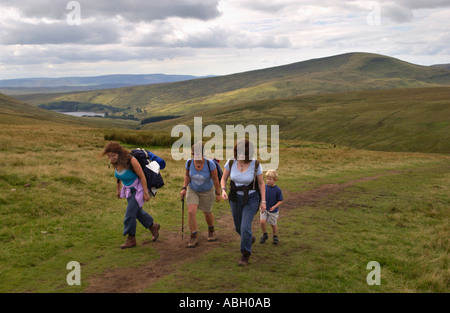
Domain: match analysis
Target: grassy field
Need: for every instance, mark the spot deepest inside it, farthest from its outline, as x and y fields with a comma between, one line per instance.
x=344, y=208
x=414, y=119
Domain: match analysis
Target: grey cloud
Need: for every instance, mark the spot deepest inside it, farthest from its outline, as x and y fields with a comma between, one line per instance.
x=91, y=54
x=421, y=4
x=396, y=13
x=59, y=33
x=132, y=10
x=215, y=37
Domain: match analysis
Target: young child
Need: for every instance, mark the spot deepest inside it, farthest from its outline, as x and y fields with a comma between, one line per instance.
x=274, y=198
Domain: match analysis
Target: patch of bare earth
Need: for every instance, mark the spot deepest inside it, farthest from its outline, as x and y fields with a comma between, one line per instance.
x=172, y=250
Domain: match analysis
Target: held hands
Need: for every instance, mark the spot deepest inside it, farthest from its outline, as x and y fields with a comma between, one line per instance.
x=263, y=206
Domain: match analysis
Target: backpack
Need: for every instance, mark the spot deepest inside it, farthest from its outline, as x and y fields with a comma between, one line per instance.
x=252, y=186
x=151, y=164
x=216, y=162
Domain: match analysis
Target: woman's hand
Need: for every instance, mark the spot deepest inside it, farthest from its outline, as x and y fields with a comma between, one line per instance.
x=224, y=195
x=146, y=196
x=183, y=193
x=263, y=207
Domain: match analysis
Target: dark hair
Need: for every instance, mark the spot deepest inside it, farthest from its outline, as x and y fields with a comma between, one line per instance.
x=124, y=155
x=240, y=146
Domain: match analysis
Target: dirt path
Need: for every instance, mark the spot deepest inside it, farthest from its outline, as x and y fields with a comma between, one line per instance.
x=173, y=251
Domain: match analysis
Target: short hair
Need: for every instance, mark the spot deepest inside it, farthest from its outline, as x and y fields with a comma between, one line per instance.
x=198, y=147
x=273, y=174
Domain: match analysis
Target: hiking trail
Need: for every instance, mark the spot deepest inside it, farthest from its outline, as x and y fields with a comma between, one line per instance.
x=172, y=250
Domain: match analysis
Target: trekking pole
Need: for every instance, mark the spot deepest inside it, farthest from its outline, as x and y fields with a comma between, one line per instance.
x=182, y=219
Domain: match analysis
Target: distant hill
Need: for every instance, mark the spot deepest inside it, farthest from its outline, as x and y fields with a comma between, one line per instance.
x=446, y=66
x=404, y=120
x=71, y=84
x=341, y=73
x=15, y=112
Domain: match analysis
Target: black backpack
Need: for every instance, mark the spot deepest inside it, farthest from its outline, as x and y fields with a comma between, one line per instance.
x=252, y=186
x=151, y=164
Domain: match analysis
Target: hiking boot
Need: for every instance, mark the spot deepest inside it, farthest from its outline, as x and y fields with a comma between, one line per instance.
x=193, y=242
x=211, y=234
x=244, y=258
x=275, y=240
x=264, y=237
x=129, y=243
x=253, y=239
x=154, y=229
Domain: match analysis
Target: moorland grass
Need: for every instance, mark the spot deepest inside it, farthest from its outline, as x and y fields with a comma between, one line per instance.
x=58, y=204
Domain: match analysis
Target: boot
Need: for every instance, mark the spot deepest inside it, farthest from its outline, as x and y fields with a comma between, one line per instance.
x=154, y=229
x=211, y=234
x=244, y=259
x=264, y=237
x=129, y=243
x=193, y=242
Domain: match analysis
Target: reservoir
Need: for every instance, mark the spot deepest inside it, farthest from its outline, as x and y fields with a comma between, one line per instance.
x=80, y=114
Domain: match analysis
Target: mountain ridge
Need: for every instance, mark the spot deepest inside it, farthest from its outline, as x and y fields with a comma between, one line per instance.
x=20, y=86
x=340, y=73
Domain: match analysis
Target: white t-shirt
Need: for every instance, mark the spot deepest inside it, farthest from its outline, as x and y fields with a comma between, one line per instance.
x=243, y=179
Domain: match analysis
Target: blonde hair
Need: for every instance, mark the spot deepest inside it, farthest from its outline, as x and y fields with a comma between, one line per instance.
x=273, y=174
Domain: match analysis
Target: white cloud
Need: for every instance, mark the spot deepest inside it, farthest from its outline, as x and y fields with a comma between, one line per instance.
x=213, y=36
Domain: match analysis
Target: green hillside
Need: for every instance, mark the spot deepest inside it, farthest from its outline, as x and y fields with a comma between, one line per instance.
x=15, y=112
x=347, y=72
x=390, y=120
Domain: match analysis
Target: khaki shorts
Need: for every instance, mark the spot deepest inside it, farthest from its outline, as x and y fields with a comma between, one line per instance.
x=270, y=217
x=204, y=200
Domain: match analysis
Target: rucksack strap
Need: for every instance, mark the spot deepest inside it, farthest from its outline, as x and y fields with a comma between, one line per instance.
x=252, y=186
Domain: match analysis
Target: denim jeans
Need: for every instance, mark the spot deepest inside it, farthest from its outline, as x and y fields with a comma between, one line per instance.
x=243, y=216
x=133, y=212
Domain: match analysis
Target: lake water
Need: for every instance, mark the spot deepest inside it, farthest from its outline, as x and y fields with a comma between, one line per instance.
x=84, y=114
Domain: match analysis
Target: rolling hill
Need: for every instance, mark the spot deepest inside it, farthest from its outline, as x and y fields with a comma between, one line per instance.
x=402, y=120
x=16, y=112
x=341, y=73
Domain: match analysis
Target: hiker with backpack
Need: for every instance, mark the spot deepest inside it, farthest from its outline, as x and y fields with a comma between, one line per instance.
x=129, y=172
x=201, y=187
x=247, y=193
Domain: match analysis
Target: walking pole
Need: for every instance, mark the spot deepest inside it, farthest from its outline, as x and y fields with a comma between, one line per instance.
x=182, y=219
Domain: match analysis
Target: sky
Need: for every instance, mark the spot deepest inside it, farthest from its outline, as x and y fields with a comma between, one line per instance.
x=61, y=38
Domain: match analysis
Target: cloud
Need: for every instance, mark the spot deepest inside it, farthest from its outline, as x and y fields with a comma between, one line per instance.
x=172, y=36
x=236, y=34
x=59, y=33
x=132, y=10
